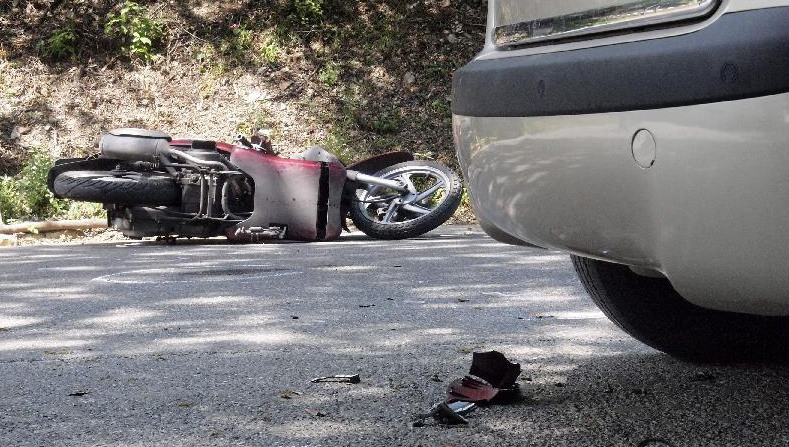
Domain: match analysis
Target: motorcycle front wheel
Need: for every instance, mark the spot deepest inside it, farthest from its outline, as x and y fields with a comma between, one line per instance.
x=435, y=192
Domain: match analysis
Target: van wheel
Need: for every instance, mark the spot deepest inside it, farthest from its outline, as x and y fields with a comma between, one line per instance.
x=654, y=313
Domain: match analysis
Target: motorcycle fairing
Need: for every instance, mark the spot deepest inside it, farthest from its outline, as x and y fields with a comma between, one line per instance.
x=300, y=196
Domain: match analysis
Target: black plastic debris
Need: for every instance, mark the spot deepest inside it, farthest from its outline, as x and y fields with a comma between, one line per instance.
x=494, y=368
x=355, y=378
x=315, y=413
x=446, y=414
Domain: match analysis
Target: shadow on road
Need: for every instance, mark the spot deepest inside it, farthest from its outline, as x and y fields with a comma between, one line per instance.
x=215, y=344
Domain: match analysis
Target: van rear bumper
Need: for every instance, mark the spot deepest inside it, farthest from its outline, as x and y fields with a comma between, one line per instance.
x=711, y=214
x=739, y=55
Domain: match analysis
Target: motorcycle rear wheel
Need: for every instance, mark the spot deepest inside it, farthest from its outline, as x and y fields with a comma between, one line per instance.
x=123, y=188
x=408, y=219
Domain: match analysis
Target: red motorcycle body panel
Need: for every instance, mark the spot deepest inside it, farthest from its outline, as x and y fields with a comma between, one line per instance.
x=299, y=195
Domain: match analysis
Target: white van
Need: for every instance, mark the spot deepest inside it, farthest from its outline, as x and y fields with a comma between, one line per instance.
x=650, y=140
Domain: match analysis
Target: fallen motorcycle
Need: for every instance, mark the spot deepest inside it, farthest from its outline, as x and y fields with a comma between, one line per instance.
x=152, y=185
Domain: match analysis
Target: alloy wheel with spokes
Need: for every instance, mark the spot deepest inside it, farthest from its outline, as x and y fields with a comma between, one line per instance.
x=434, y=193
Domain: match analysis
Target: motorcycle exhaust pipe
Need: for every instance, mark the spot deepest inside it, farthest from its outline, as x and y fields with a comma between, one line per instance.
x=194, y=160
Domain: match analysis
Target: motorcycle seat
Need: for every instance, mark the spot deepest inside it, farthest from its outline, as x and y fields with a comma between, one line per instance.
x=133, y=144
x=137, y=132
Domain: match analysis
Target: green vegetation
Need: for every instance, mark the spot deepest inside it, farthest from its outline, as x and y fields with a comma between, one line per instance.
x=25, y=196
x=268, y=48
x=338, y=143
x=309, y=11
x=388, y=122
x=139, y=33
x=59, y=44
x=330, y=74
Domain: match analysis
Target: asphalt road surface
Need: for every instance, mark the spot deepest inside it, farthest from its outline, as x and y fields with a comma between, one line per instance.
x=209, y=344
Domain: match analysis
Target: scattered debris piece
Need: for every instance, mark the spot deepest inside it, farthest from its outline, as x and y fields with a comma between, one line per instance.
x=355, y=378
x=288, y=394
x=491, y=379
x=315, y=413
x=446, y=414
x=463, y=300
x=494, y=367
x=365, y=306
x=294, y=317
x=471, y=389
x=435, y=378
x=159, y=357
x=79, y=393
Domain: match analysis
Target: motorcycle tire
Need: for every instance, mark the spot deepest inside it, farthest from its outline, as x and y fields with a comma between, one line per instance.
x=123, y=188
x=418, y=225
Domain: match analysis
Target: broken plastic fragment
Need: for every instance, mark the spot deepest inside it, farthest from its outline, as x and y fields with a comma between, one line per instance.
x=447, y=414
x=471, y=389
x=494, y=368
x=491, y=377
x=355, y=378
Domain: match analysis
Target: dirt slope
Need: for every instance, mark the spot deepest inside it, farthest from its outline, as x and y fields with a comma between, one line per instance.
x=361, y=77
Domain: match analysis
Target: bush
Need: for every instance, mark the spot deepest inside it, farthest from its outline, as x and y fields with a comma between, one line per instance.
x=246, y=45
x=308, y=11
x=25, y=196
x=269, y=50
x=140, y=34
x=59, y=44
x=330, y=74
